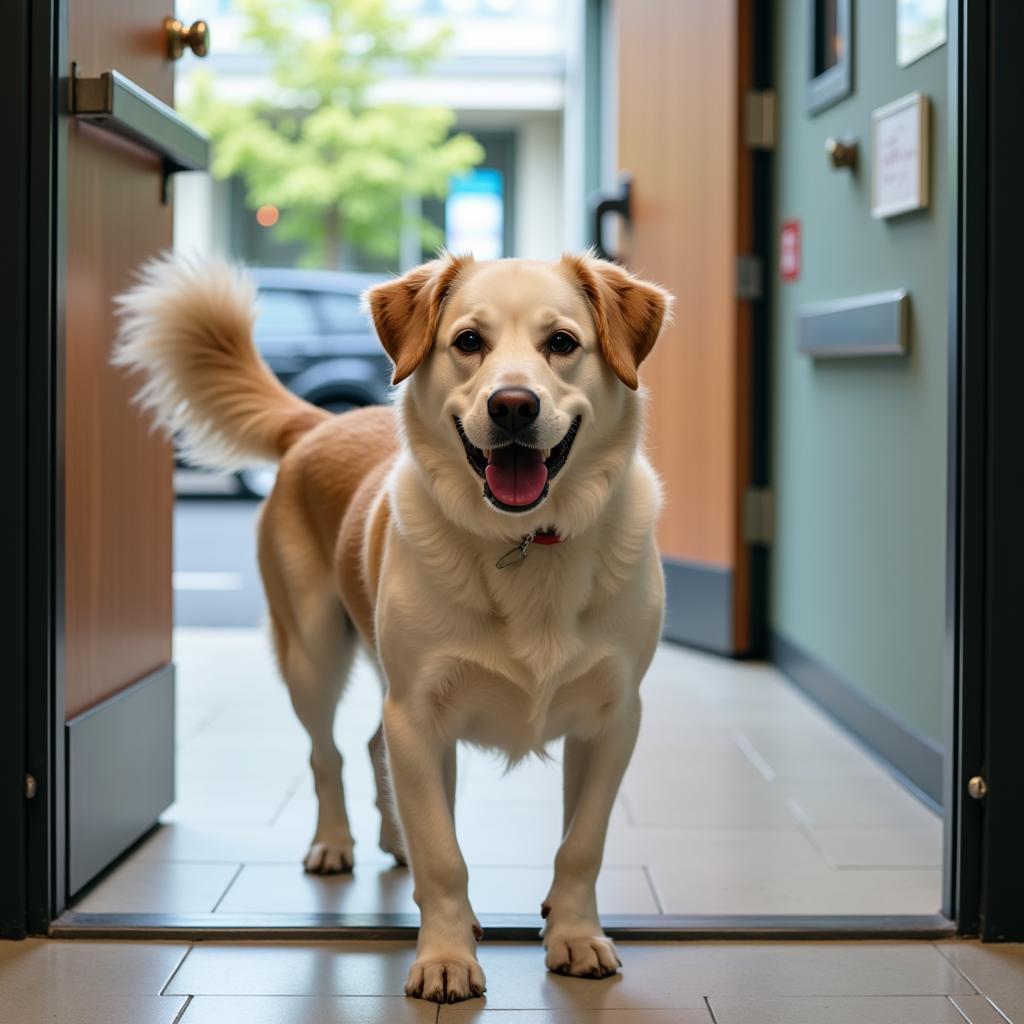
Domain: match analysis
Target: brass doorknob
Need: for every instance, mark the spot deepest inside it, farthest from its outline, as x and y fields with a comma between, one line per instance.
x=196, y=37
x=841, y=152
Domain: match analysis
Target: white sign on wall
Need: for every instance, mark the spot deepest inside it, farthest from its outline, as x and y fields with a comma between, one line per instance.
x=899, y=150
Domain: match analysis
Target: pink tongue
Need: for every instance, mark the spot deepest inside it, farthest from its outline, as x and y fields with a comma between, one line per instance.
x=516, y=475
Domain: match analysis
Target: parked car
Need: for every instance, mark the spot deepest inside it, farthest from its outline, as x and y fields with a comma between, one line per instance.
x=313, y=334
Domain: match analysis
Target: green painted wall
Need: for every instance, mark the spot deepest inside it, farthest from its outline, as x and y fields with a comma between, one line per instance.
x=859, y=446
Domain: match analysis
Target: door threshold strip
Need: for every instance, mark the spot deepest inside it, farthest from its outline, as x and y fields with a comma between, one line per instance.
x=500, y=927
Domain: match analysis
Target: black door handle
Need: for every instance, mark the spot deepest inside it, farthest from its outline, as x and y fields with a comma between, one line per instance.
x=617, y=200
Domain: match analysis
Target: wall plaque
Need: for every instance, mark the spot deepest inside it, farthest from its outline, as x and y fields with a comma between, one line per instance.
x=899, y=156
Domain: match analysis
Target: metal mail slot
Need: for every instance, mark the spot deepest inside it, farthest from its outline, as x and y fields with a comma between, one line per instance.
x=866, y=325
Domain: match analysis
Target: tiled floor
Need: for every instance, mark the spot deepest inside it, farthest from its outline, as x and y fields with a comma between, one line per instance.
x=79, y=982
x=741, y=799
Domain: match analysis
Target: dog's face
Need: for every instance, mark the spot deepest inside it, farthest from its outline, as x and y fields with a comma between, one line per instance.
x=522, y=381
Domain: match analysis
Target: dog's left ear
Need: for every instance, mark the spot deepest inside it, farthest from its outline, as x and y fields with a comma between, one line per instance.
x=406, y=311
x=628, y=313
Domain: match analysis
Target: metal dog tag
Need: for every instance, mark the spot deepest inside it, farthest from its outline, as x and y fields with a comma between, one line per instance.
x=516, y=554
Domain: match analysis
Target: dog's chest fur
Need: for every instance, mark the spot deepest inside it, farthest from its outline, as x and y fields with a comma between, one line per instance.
x=514, y=657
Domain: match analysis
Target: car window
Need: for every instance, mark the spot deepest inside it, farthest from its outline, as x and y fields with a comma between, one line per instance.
x=285, y=314
x=342, y=314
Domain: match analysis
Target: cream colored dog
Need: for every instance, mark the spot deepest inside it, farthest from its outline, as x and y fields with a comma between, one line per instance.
x=490, y=539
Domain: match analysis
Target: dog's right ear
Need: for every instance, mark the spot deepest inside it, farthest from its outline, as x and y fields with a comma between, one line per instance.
x=406, y=311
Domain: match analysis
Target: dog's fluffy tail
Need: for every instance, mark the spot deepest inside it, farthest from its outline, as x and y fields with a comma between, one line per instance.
x=187, y=326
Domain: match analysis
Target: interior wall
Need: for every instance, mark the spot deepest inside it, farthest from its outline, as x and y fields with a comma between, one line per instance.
x=859, y=445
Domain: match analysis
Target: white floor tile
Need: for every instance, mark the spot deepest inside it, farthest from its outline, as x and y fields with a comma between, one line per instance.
x=286, y=889
x=153, y=887
x=309, y=1010
x=864, y=846
x=734, y=775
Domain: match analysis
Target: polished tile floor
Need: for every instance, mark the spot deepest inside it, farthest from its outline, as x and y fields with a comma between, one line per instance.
x=742, y=798
x=80, y=982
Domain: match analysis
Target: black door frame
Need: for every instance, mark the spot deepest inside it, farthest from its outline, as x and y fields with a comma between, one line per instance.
x=984, y=886
x=986, y=506
x=14, y=70
x=31, y=515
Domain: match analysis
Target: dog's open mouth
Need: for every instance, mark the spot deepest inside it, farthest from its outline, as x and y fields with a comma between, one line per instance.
x=515, y=476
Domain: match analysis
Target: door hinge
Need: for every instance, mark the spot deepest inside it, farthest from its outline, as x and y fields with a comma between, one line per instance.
x=749, y=277
x=759, y=119
x=758, y=515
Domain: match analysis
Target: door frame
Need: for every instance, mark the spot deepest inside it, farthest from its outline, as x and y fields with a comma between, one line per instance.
x=33, y=51
x=14, y=514
x=985, y=706
x=984, y=888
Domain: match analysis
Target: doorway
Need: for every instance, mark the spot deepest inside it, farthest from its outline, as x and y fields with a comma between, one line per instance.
x=44, y=740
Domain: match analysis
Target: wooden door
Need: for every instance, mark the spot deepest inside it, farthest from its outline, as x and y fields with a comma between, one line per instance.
x=681, y=72
x=118, y=681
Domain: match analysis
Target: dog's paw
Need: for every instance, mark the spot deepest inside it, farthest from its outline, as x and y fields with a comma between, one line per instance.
x=445, y=980
x=581, y=955
x=329, y=857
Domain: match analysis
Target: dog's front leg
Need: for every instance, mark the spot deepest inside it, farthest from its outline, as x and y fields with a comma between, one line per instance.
x=446, y=968
x=593, y=770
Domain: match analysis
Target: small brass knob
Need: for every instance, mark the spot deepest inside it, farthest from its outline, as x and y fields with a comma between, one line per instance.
x=841, y=152
x=196, y=37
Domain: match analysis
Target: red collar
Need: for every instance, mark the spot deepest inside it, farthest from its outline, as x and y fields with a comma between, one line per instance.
x=518, y=553
x=547, y=537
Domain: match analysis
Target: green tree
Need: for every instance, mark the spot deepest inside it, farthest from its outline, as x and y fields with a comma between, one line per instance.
x=336, y=164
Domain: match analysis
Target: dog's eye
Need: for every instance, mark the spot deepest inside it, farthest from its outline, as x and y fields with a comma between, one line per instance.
x=562, y=343
x=468, y=341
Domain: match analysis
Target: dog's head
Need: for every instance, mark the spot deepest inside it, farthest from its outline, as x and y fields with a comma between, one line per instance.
x=522, y=382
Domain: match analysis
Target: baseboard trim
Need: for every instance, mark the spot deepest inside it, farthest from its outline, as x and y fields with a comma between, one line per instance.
x=915, y=757
x=111, y=802
x=699, y=605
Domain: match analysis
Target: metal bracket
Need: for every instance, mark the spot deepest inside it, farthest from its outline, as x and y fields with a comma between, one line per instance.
x=759, y=120
x=749, y=277
x=117, y=105
x=758, y=515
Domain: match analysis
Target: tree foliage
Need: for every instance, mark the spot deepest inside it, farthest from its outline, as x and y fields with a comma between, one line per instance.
x=336, y=164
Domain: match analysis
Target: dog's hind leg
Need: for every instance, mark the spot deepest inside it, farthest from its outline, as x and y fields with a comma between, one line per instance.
x=315, y=667
x=315, y=643
x=391, y=840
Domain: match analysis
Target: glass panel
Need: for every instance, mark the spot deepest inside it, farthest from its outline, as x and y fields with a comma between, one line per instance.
x=285, y=313
x=342, y=314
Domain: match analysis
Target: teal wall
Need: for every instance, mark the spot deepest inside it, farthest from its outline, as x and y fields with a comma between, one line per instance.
x=859, y=446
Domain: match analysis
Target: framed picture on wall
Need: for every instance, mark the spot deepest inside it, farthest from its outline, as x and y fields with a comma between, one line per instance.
x=899, y=156
x=829, y=53
x=920, y=28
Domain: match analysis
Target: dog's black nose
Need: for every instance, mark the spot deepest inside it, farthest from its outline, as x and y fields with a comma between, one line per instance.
x=513, y=409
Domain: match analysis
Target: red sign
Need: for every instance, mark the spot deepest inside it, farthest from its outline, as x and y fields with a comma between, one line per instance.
x=789, y=250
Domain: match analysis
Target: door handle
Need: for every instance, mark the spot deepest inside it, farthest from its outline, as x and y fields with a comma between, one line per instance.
x=196, y=38
x=117, y=105
x=618, y=200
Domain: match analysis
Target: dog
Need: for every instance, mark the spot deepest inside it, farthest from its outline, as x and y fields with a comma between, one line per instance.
x=488, y=538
